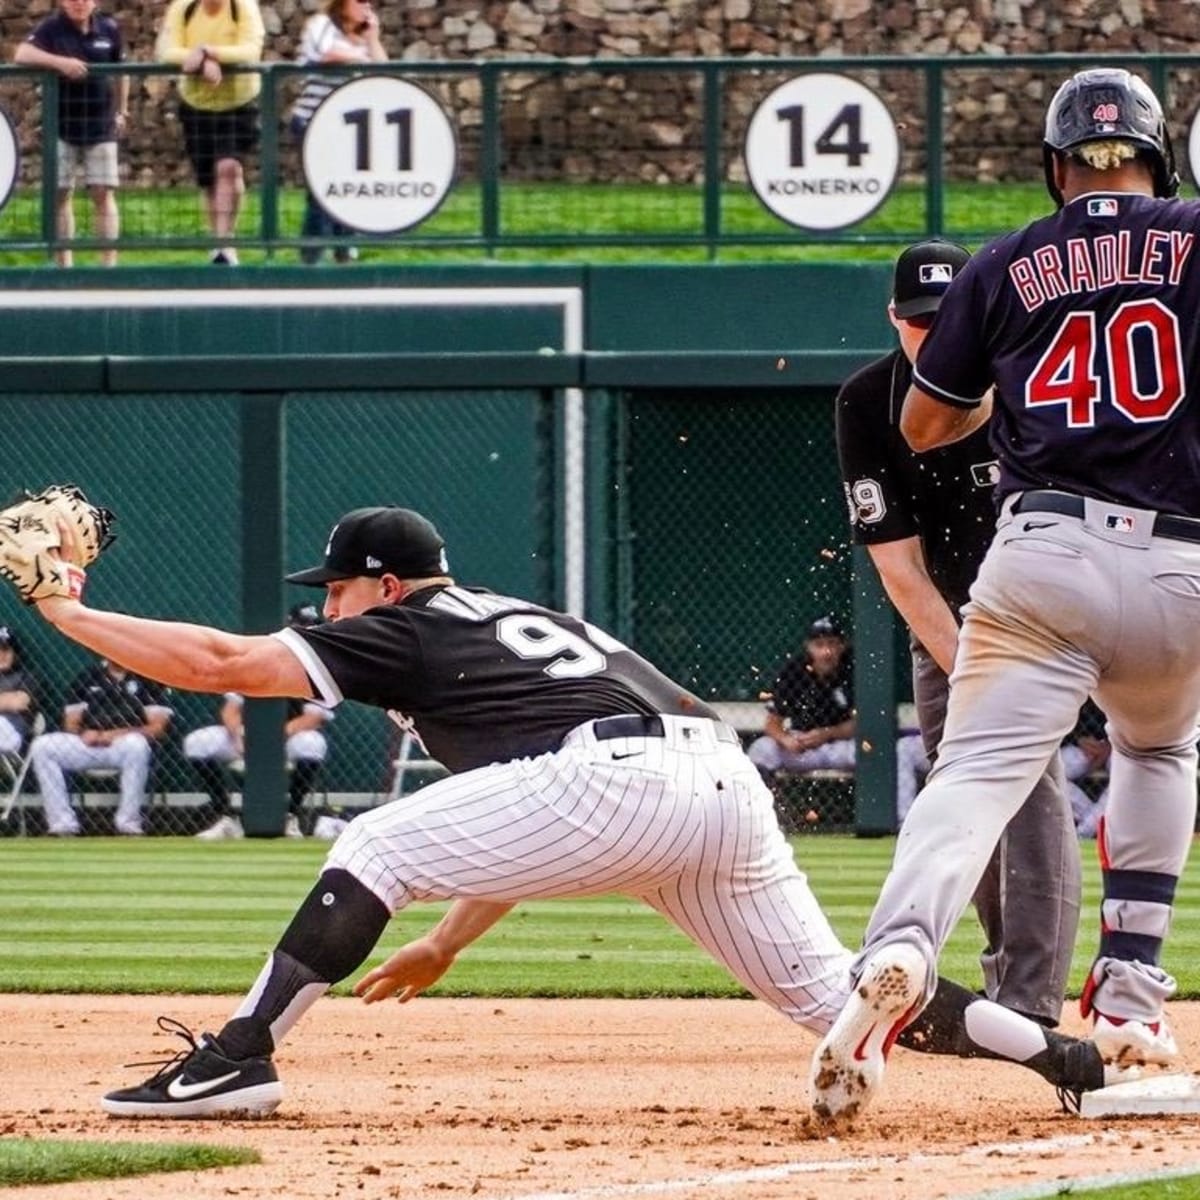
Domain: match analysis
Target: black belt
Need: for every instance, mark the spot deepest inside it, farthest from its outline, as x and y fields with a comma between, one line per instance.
x=607, y=728
x=1182, y=529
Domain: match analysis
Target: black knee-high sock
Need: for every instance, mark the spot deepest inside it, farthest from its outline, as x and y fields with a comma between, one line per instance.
x=332, y=933
x=212, y=779
x=958, y=1022
x=304, y=775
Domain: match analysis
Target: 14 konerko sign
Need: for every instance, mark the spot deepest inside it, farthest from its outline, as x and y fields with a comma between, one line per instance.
x=822, y=151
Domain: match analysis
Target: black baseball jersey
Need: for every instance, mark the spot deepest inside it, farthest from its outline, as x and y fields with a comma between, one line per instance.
x=85, y=106
x=483, y=677
x=944, y=496
x=110, y=703
x=806, y=700
x=1086, y=322
x=20, y=680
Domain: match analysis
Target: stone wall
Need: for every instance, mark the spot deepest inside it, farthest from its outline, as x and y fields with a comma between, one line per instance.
x=636, y=126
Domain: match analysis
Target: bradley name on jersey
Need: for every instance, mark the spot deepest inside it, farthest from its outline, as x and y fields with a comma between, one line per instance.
x=1087, y=264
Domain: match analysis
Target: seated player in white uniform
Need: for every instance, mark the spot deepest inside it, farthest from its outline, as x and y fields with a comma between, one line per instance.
x=213, y=748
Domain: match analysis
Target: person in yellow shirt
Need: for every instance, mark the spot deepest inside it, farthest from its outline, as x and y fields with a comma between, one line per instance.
x=218, y=110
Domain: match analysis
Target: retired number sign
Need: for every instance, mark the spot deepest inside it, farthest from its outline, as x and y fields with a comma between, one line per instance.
x=379, y=154
x=10, y=158
x=822, y=151
x=1194, y=148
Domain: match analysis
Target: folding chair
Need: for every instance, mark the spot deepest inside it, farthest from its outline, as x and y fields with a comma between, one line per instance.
x=411, y=759
x=16, y=768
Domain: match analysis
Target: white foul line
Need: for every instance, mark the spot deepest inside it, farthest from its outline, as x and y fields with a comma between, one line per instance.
x=611, y=1191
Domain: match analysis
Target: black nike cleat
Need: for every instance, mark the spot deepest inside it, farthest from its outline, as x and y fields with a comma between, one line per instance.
x=199, y=1082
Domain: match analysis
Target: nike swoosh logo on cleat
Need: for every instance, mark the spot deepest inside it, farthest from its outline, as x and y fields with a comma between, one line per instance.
x=178, y=1090
x=859, y=1052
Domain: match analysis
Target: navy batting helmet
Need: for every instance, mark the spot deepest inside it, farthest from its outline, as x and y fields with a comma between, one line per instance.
x=1103, y=104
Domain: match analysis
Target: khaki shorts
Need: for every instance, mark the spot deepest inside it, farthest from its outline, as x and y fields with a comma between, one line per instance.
x=98, y=164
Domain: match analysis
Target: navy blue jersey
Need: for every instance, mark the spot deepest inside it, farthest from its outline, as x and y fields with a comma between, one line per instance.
x=484, y=678
x=944, y=496
x=85, y=106
x=1086, y=323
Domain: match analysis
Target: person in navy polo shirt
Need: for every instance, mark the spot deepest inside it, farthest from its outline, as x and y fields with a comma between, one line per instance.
x=92, y=111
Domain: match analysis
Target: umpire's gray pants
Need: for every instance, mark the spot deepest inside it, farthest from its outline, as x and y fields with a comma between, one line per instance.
x=1028, y=897
x=1063, y=607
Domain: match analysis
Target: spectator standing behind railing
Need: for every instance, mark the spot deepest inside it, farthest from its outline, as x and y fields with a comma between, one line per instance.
x=345, y=31
x=218, y=112
x=68, y=41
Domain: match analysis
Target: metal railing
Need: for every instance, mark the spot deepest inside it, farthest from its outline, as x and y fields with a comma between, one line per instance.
x=567, y=158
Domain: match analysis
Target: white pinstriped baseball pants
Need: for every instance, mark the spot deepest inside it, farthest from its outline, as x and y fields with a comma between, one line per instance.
x=682, y=822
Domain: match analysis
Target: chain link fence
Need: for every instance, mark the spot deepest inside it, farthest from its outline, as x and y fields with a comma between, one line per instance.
x=729, y=539
x=563, y=155
x=168, y=465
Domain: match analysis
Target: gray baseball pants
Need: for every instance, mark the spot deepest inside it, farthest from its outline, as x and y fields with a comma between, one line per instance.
x=1063, y=608
x=1028, y=897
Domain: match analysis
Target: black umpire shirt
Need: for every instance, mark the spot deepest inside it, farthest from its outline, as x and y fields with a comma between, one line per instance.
x=484, y=678
x=943, y=496
x=85, y=106
x=110, y=703
x=806, y=701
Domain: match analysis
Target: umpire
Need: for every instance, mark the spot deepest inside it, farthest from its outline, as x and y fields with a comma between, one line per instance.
x=926, y=521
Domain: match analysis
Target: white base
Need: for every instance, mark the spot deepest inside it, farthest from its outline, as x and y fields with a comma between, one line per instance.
x=1155, y=1095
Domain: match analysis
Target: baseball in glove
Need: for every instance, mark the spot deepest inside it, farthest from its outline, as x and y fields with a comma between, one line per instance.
x=59, y=518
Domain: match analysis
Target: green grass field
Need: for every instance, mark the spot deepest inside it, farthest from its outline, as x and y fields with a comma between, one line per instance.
x=174, y=915
x=159, y=915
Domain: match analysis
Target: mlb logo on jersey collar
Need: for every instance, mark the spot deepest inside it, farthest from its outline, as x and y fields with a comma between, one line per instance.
x=1103, y=206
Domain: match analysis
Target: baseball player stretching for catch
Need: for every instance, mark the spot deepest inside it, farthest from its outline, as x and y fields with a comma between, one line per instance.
x=926, y=521
x=1085, y=323
x=579, y=769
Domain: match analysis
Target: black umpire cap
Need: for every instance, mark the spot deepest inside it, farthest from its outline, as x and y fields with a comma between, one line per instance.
x=825, y=627
x=376, y=542
x=923, y=273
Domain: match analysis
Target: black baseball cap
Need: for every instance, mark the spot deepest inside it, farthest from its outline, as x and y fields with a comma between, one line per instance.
x=375, y=542
x=825, y=627
x=923, y=273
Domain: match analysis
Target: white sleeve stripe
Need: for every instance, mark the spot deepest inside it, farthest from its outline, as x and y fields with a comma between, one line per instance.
x=321, y=679
x=938, y=393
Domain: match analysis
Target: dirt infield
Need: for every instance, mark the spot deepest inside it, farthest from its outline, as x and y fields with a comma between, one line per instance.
x=579, y=1100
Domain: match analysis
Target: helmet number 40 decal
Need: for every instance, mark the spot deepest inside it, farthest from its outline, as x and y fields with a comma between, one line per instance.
x=1135, y=360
